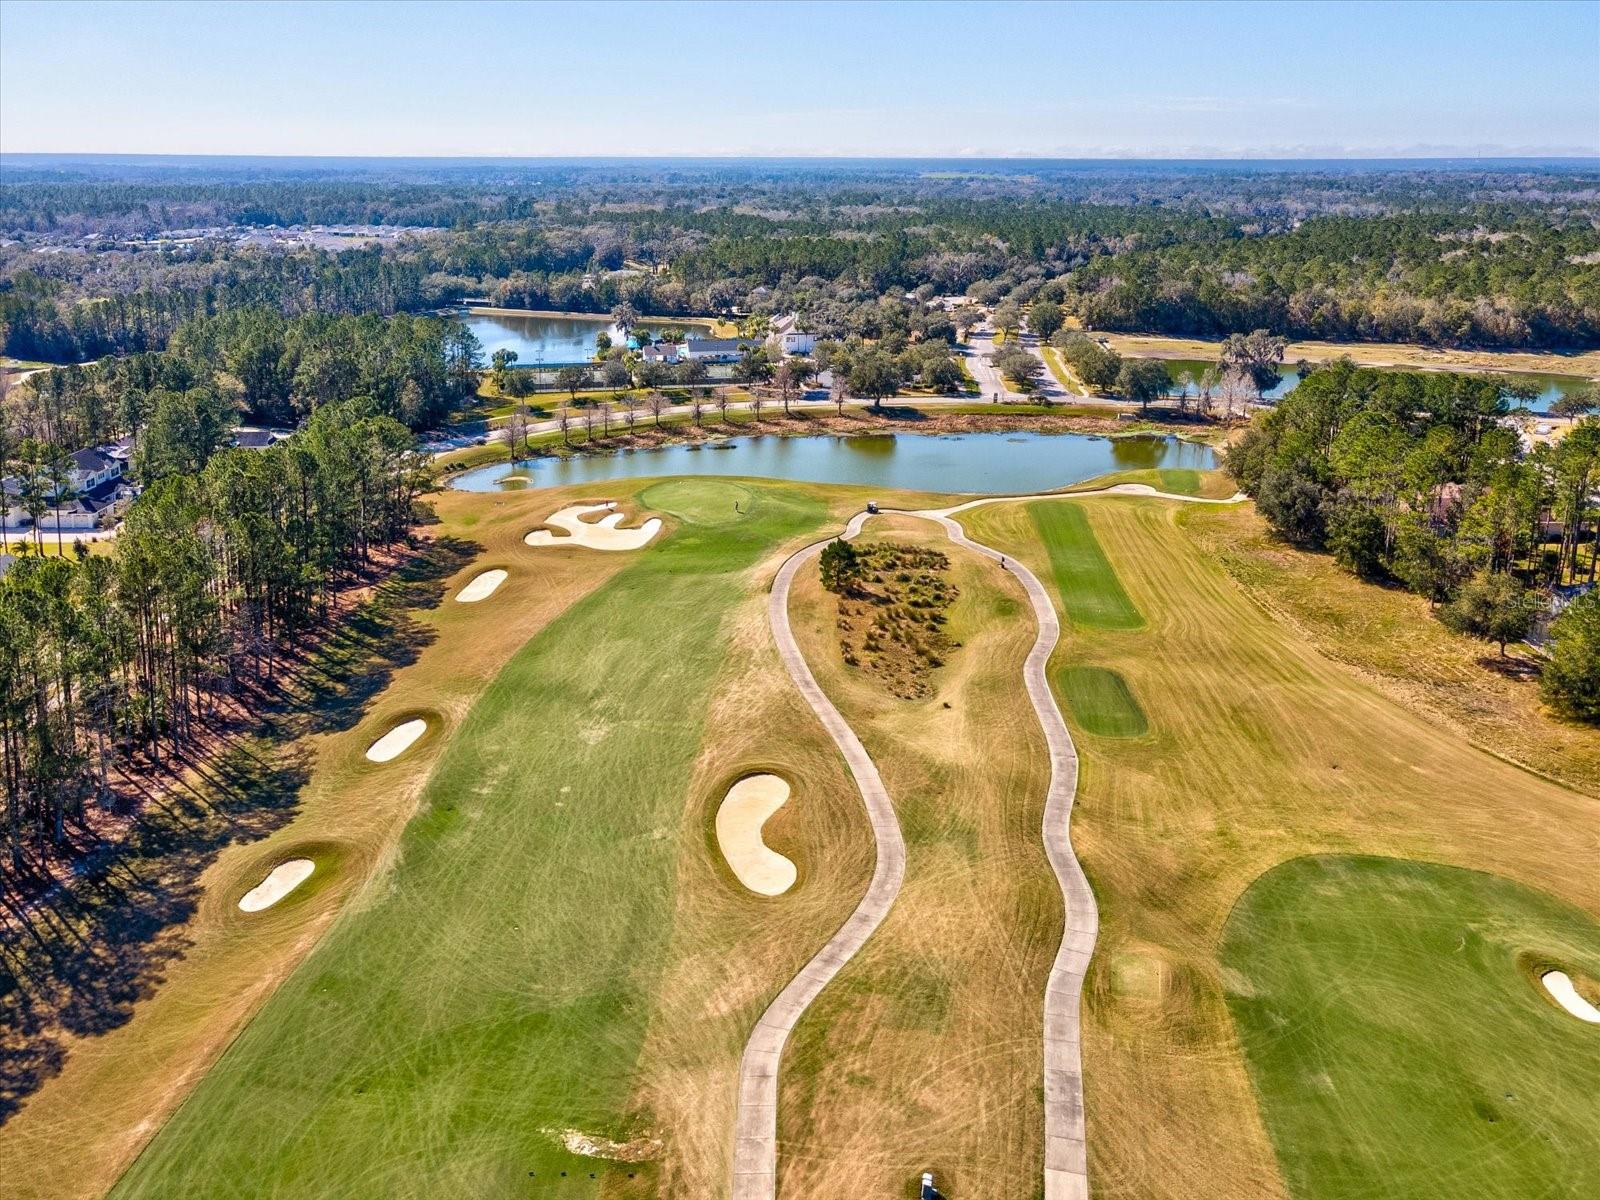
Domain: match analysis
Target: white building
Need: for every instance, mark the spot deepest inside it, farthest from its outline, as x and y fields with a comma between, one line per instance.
x=789, y=338
x=713, y=350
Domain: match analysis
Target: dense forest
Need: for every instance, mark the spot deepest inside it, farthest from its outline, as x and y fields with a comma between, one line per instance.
x=179, y=404
x=109, y=658
x=1506, y=256
x=1415, y=479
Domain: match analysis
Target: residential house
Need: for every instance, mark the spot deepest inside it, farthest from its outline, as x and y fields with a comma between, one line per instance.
x=789, y=338
x=250, y=438
x=713, y=350
x=660, y=352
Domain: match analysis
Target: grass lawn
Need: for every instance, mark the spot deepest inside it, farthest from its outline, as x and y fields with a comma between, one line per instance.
x=1398, y=1037
x=1083, y=575
x=1101, y=703
x=1261, y=749
x=128, y=1060
x=926, y=1052
x=500, y=985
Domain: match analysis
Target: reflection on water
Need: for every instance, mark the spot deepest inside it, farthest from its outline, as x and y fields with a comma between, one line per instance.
x=550, y=339
x=990, y=463
x=1549, y=388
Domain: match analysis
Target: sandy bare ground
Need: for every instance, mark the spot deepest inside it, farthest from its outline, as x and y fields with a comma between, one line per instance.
x=740, y=816
x=603, y=534
x=395, y=743
x=755, y=1153
x=481, y=588
x=1560, y=986
x=280, y=881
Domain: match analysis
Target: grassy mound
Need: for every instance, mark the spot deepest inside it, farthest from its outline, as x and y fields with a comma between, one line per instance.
x=1101, y=702
x=1398, y=1043
x=498, y=988
x=1091, y=594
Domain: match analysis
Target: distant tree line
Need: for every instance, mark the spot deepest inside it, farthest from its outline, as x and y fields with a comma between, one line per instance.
x=69, y=308
x=1418, y=478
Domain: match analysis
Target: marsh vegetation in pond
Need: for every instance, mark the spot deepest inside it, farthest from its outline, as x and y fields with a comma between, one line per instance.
x=989, y=463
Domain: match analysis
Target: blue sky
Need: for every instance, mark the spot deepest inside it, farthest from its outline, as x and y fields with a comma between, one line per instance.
x=1064, y=80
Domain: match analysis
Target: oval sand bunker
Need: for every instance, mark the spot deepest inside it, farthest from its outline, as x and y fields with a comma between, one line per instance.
x=744, y=811
x=596, y=535
x=394, y=743
x=1559, y=985
x=280, y=881
x=481, y=588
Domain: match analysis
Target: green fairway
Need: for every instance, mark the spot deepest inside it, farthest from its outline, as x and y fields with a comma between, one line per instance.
x=495, y=990
x=1399, y=1042
x=1101, y=702
x=1091, y=595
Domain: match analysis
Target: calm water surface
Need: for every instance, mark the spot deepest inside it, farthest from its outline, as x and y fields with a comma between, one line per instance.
x=992, y=463
x=1550, y=387
x=548, y=339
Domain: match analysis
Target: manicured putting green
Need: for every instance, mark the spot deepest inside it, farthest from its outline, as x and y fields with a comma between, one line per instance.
x=1091, y=594
x=701, y=501
x=1101, y=702
x=494, y=990
x=1180, y=481
x=1398, y=1038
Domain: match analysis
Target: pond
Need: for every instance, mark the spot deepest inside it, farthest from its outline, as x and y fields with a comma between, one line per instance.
x=988, y=463
x=537, y=339
x=1550, y=387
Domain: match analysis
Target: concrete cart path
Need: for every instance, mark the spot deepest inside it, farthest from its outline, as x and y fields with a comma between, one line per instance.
x=755, y=1147
x=755, y=1135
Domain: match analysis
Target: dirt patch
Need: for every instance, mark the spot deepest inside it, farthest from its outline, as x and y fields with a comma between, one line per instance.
x=589, y=1145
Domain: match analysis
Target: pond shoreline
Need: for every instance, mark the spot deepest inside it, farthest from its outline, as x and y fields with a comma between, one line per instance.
x=992, y=461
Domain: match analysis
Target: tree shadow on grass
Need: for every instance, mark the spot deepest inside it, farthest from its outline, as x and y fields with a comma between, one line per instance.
x=76, y=961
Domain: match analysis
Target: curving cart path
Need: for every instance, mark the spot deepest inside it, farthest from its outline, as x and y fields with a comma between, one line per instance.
x=1066, y=1175
x=755, y=1130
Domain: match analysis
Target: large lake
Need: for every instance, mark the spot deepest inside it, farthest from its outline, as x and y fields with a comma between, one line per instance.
x=548, y=339
x=1550, y=387
x=989, y=463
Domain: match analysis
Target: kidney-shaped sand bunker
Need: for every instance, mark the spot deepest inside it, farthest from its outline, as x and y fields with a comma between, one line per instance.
x=744, y=810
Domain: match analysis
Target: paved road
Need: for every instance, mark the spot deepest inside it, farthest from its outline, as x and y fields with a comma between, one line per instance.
x=755, y=1152
x=980, y=345
x=755, y=1135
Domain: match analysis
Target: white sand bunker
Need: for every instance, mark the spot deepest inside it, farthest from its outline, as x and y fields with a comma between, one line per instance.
x=744, y=811
x=280, y=881
x=596, y=535
x=481, y=588
x=396, y=741
x=1559, y=985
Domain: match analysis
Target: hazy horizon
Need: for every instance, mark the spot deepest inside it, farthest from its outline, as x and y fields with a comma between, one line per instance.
x=837, y=81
